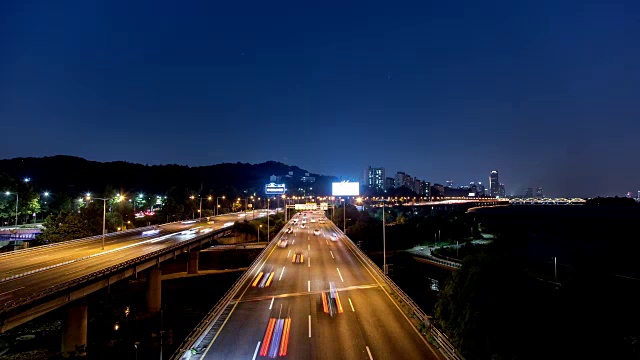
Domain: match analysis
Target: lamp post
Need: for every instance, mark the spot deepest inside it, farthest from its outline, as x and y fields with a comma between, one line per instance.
x=344, y=214
x=104, y=212
x=268, y=216
x=259, y=232
x=384, y=241
x=218, y=206
x=9, y=193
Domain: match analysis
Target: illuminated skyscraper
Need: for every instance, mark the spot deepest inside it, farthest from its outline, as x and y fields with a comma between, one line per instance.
x=494, y=184
x=374, y=178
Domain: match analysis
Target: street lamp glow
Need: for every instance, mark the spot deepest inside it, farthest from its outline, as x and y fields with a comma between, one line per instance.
x=46, y=193
x=27, y=179
x=7, y=193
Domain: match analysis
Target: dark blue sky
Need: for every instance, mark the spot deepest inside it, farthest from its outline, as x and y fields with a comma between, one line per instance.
x=545, y=91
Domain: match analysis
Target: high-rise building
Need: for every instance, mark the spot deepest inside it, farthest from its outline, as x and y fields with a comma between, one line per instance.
x=449, y=183
x=427, y=190
x=481, y=190
x=389, y=183
x=399, y=181
x=417, y=186
x=502, y=192
x=539, y=192
x=494, y=184
x=374, y=178
x=528, y=193
x=473, y=188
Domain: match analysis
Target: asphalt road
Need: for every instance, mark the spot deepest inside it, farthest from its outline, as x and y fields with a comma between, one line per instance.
x=42, y=267
x=370, y=326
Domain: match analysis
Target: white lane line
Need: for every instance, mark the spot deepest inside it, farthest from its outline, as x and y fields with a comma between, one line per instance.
x=327, y=241
x=309, y=325
x=289, y=253
x=350, y=303
x=256, y=351
x=293, y=241
x=309, y=285
x=309, y=262
x=6, y=292
x=340, y=274
x=333, y=257
x=309, y=247
x=369, y=352
x=280, y=278
x=273, y=298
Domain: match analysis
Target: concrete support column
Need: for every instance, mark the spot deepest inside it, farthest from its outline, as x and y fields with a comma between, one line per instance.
x=74, y=329
x=154, y=290
x=192, y=266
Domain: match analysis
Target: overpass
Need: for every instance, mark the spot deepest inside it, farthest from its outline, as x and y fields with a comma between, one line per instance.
x=37, y=280
x=317, y=297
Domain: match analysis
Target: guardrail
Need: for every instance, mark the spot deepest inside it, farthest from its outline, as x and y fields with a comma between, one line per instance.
x=96, y=274
x=205, y=325
x=446, y=348
x=89, y=238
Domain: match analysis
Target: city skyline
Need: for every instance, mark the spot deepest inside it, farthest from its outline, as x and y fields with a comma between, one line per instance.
x=543, y=92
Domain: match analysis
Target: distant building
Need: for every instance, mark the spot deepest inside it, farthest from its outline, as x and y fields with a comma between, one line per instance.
x=528, y=193
x=437, y=190
x=473, y=189
x=307, y=178
x=539, y=192
x=272, y=178
x=417, y=186
x=449, y=183
x=494, y=184
x=374, y=178
x=289, y=175
x=481, y=189
x=426, y=188
x=389, y=183
x=399, y=180
x=501, y=191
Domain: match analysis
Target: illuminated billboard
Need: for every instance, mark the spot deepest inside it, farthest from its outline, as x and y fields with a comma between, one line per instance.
x=274, y=189
x=345, y=189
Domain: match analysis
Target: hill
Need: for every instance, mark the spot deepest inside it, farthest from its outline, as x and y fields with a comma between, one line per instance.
x=74, y=175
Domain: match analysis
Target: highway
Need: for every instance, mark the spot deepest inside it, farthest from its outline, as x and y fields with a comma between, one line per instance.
x=287, y=315
x=28, y=272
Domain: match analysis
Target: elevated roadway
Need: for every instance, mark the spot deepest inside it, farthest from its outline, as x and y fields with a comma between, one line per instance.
x=37, y=280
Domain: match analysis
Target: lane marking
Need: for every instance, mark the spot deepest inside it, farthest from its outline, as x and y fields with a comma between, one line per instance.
x=271, y=305
x=327, y=241
x=340, y=274
x=282, y=272
x=333, y=257
x=309, y=247
x=309, y=325
x=309, y=285
x=350, y=303
x=289, y=253
x=255, y=353
x=309, y=262
x=369, y=352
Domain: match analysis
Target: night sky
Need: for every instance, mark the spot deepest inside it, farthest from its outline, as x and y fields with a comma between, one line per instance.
x=547, y=92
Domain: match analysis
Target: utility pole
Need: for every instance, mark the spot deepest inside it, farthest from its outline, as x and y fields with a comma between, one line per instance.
x=268, y=215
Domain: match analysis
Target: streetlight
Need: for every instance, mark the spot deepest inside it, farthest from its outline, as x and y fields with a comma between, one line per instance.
x=260, y=227
x=104, y=211
x=9, y=193
x=384, y=241
x=268, y=216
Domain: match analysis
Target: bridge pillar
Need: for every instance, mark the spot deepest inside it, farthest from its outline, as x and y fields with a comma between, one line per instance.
x=154, y=290
x=192, y=265
x=74, y=330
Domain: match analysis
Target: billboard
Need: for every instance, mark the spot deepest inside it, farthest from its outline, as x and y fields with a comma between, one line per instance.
x=345, y=189
x=275, y=189
x=307, y=206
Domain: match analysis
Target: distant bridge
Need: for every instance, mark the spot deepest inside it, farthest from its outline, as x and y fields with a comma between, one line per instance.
x=547, y=201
